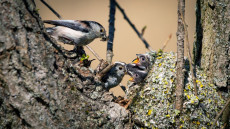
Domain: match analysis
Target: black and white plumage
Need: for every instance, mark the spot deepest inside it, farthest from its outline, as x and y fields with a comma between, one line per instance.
x=137, y=74
x=76, y=32
x=142, y=61
x=115, y=75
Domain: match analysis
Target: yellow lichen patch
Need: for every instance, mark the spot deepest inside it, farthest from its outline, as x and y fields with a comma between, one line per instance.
x=166, y=83
x=188, y=97
x=189, y=87
x=201, y=86
x=159, y=57
x=159, y=65
x=192, y=101
x=149, y=112
x=168, y=115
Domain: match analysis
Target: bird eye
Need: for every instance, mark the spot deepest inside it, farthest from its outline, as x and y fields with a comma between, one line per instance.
x=143, y=59
x=136, y=75
x=120, y=68
x=101, y=30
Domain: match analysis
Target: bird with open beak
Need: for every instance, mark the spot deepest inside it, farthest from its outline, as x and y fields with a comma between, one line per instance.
x=137, y=74
x=142, y=61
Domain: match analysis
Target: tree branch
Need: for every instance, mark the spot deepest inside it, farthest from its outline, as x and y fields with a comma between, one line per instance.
x=134, y=28
x=166, y=42
x=220, y=113
x=109, y=54
x=180, y=60
x=48, y=6
x=192, y=67
x=94, y=53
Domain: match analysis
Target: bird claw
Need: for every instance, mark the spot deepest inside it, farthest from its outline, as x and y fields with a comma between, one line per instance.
x=123, y=102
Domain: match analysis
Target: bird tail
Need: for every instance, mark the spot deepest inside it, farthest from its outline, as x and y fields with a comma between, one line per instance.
x=49, y=21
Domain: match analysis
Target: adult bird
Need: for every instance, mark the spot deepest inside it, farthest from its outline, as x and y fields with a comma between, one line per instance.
x=76, y=32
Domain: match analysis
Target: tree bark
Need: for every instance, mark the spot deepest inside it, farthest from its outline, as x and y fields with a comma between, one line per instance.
x=211, y=49
x=212, y=45
x=39, y=87
x=180, y=58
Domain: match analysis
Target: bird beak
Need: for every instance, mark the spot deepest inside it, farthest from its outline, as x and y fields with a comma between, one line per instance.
x=131, y=79
x=136, y=61
x=104, y=38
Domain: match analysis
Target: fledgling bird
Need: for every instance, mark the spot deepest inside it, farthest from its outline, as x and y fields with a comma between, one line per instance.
x=76, y=32
x=115, y=75
x=142, y=61
x=137, y=74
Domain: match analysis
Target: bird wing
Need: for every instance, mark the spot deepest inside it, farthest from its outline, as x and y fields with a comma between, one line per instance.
x=72, y=24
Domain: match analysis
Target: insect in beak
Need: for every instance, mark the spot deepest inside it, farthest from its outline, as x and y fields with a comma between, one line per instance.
x=104, y=38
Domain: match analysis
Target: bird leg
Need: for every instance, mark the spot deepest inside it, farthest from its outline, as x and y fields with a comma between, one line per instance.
x=128, y=103
x=121, y=101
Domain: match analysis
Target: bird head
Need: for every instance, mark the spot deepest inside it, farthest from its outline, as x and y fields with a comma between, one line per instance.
x=142, y=61
x=137, y=74
x=120, y=68
x=99, y=30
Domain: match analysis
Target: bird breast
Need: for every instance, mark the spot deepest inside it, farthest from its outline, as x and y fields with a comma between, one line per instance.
x=79, y=38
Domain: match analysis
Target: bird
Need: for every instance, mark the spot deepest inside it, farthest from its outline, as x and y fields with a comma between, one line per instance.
x=76, y=32
x=136, y=72
x=142, y=61
x=115, y=75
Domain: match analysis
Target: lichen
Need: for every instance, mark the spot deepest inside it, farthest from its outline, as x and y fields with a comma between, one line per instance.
x=154, y=106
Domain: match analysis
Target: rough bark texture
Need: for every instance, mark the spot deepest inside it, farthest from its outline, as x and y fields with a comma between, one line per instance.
x=211, y=49
x=39, y=87
x=180, y=57
x=212, y=45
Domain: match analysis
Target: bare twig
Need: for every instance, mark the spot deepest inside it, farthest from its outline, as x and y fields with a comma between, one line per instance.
x=48, y=6
x=220, y=113
x=166, y=42
x=94, y=53
x=134, y=28
x=192, y=67
x=143, y=30
x=109, y=54
x=103, y=72
x=59, y=16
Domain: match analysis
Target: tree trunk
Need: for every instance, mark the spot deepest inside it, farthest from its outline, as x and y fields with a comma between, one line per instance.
x=212, y=45
x=39, y=87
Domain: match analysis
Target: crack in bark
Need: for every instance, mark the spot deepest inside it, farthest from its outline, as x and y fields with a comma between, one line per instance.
x=18, y=114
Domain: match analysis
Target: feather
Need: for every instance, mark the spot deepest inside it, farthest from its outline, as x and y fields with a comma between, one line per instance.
x=72, y=24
